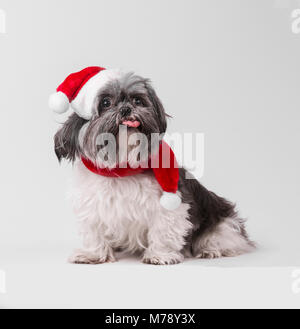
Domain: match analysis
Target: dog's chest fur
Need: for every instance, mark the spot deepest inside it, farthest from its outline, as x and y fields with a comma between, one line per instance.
x=122, y=210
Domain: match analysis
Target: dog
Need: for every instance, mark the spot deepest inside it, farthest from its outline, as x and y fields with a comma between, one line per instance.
x=125, y=213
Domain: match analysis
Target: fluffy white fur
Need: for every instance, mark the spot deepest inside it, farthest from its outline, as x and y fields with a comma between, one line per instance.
x=225, y=240
x=125, y=212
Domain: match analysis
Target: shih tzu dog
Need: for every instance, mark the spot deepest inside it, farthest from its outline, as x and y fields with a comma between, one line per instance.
x=123, y=203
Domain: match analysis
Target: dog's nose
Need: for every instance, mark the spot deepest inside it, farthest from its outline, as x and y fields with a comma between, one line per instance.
x=125, y=111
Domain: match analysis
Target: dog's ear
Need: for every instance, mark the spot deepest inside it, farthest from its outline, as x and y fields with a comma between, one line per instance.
x=66, y=144
x=158, y=107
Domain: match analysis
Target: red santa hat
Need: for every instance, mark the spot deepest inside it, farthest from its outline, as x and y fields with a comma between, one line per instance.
x=79, y=90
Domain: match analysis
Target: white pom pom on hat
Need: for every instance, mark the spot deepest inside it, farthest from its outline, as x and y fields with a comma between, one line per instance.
x=59, y=102
x=170, y=201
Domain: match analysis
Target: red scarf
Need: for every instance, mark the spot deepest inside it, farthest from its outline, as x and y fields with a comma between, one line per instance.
x=167, y=177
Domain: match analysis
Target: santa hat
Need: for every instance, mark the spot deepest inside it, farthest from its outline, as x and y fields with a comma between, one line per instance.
x=79, y=90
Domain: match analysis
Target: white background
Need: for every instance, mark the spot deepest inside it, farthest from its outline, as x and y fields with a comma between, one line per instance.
x=228, y=69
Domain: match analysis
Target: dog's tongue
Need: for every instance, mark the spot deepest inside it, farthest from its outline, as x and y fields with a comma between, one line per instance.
x=133, y=124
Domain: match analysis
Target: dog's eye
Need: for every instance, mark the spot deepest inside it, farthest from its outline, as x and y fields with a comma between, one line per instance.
x=138, y=101
x=106, y=102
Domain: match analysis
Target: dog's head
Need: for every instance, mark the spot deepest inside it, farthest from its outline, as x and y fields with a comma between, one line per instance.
x=129, y=102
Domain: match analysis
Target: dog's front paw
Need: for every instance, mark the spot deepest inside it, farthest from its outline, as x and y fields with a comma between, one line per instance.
x=87, y=257
x=209, y=254
x=162, y=258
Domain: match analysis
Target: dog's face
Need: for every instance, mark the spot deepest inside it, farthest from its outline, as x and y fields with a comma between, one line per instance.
x=127, y=102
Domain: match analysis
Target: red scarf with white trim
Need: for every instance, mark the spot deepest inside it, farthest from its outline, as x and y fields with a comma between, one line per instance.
x=166, y=169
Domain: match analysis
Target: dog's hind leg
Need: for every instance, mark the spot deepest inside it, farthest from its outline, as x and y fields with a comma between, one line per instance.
x=228, y=238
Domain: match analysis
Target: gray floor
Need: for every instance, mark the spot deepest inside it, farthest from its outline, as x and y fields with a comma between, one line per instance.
x=42, y=278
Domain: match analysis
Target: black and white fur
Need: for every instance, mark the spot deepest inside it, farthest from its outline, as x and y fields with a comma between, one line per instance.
x=125, y=213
